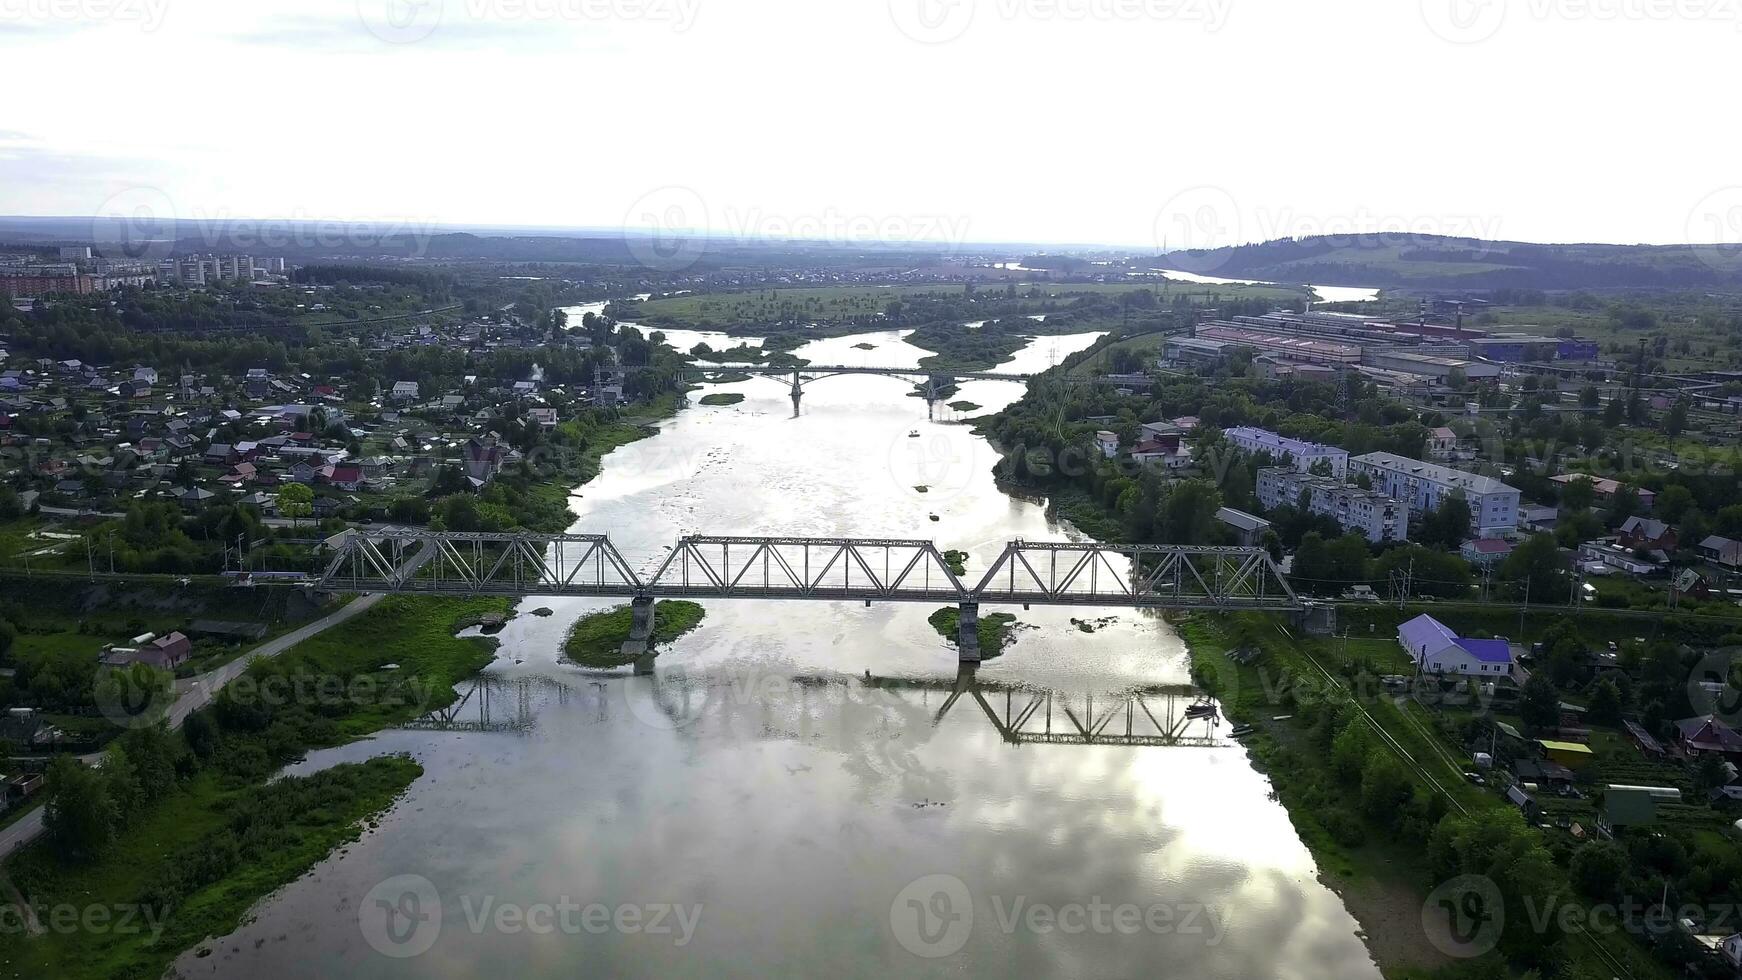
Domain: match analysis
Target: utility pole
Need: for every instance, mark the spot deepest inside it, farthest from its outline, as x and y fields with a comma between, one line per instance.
x=1521, y=609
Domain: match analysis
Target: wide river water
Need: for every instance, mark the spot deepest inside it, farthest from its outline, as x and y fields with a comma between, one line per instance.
x=789, y=774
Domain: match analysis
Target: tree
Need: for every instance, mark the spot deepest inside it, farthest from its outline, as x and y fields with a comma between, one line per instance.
x=1674, y=502
x=1540, y=704
x=79, y=816
x=1385, y=788
x=1678, y=418
x=1606, y=703
x=295, y=500
x=1598, y=868
x=1538, y=571
x=1579, y=494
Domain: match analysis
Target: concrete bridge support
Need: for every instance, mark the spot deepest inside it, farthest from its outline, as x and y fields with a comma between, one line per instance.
x=640, y=626
x=797, y=393
x=968, y=633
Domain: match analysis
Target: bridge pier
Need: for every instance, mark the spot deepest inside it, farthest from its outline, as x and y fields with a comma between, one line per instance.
x=968, y=633
x=640, y=626
x=797, y=393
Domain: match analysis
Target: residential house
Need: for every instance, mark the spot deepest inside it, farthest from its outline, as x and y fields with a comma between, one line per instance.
x=167, y=652
x=1708, y=733
x=1482, y=552
x=1605, y=489
x=1441, y=443
x=404, y=391
x=1690, y=582
x=258, y=383
x=1724, y=551
x=346, y=477
x=193, y=498
x=1107, y=443
x=1646, y=533
x=1437, y=650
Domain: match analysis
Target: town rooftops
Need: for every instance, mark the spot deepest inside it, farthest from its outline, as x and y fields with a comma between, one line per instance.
x=1646, y=526
x=1280, y=443
x=1487, y=651
x=1443, y=475
x=1426, y=631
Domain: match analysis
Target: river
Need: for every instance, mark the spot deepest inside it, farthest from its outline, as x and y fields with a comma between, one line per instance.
x=824, y=823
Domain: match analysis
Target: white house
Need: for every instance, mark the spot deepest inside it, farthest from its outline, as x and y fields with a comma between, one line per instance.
x=1438, y=650
x=1107, y=443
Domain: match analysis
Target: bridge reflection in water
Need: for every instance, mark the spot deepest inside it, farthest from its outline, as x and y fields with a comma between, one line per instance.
x=801, y=706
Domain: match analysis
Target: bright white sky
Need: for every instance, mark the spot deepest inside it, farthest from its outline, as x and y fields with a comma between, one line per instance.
x=1194, y=122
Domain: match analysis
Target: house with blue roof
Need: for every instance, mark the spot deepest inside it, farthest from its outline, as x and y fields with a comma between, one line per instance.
x=1437, y=650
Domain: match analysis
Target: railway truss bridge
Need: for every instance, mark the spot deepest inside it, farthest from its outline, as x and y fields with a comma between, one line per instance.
x=933, y=381
x=1025, y=573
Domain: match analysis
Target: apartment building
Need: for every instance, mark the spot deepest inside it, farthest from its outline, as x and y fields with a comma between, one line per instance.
x=1424, y=486
x=1303, y=454
x=1374, y=516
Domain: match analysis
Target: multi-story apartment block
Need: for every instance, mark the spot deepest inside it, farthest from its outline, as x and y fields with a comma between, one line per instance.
x=1303, y=454
x=1374, y=516
x=1424, y=486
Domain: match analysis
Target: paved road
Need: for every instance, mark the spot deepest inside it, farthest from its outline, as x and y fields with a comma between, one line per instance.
x=194, y=693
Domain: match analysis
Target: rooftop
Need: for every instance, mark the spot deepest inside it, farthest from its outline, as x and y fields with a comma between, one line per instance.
x=1444, y=475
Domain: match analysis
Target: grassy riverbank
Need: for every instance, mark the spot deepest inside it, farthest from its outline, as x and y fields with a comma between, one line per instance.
x=548, y=492
x=597, y=640
x=995, y=629
x=721, y=398
x=186, y=823
x=227, y=847
x=1381, y=803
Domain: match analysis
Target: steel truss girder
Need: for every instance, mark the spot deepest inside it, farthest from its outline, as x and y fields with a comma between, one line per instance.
x=769, y=567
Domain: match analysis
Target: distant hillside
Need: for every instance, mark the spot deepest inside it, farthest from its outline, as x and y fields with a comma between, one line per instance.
x=1435, y=262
